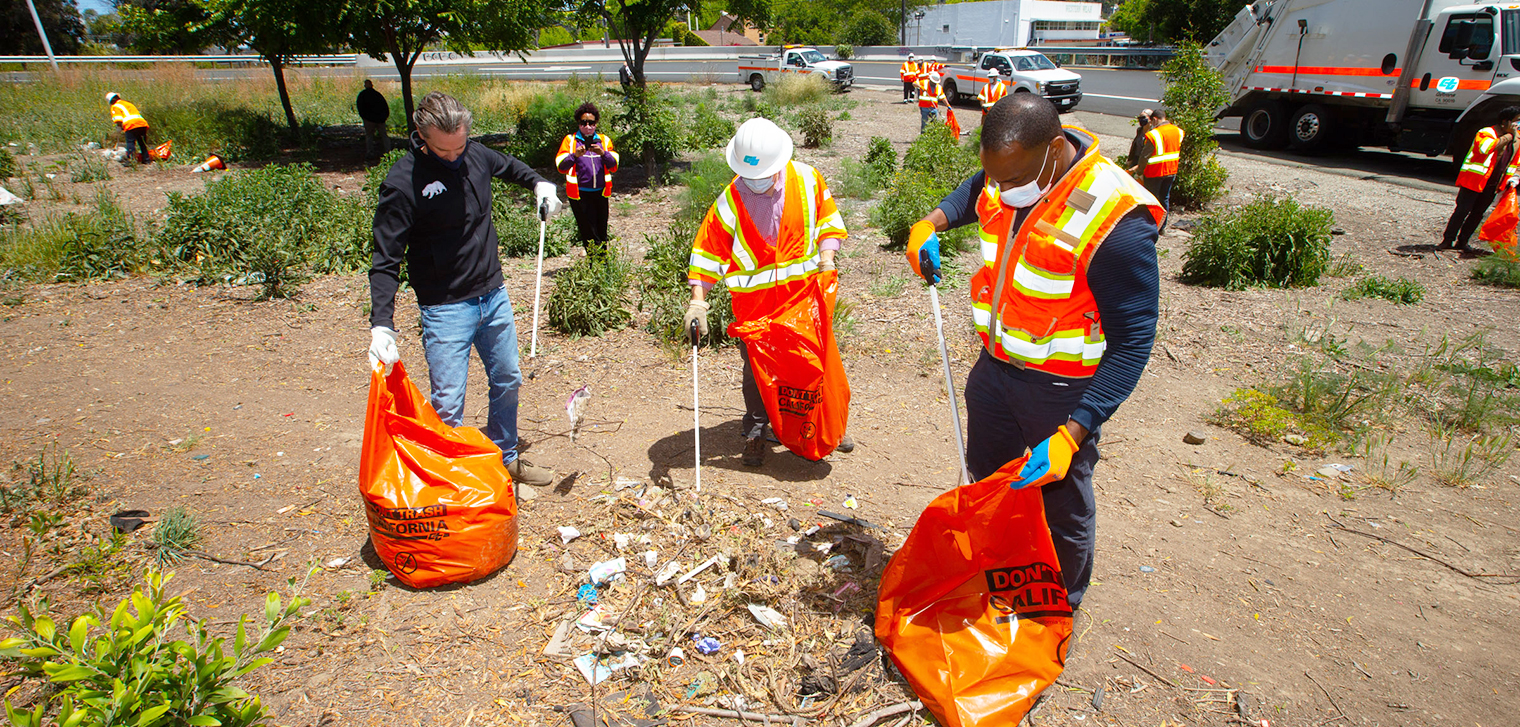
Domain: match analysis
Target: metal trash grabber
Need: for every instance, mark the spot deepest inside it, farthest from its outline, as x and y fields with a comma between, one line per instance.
x=695, y=334
x=944, y=357
x=538, y=284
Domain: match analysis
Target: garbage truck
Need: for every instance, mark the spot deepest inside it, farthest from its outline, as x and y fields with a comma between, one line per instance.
x=1411, y=75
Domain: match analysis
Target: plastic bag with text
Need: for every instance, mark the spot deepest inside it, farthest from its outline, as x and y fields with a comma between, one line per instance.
x=1499, y=229
x=972, y=607
x=440, y=503
x=797, y=368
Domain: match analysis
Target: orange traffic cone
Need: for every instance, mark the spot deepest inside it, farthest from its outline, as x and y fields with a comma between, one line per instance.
x=212, y=162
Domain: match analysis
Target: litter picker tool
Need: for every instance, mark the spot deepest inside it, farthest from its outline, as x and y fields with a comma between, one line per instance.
x=538, y=284
x=944, y=357
x=695, y=333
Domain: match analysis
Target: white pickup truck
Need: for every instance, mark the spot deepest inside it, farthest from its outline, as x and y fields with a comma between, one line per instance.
x=760, y=70
x=1026, y=71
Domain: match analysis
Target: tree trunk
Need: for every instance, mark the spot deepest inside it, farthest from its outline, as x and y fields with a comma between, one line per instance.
x=279, y=81
x=404, y=72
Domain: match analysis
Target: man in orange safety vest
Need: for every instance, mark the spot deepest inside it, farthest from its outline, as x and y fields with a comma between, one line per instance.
x=993, y=92
x=132, y=125
x=909, y=75
x=1162, y=151
x=930, y=95
x=1493, y=150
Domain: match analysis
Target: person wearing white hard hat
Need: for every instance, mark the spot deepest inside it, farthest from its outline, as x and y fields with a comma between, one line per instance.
x=768, y=234
x=909, y=74
x=132, y=125
x=930, y=95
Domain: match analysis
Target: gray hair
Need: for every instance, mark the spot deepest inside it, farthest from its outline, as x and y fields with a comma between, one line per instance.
x=441, y=112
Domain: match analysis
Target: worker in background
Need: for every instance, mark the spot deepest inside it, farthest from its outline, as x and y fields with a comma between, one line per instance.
x=1137, y=145
x=132, y=125
x=587, y=160
x=992, y=92
x=1065, y=302
x=1493, y=149
x=373, y=112
x=909, y=75
x=1161, y=151
x=434, y=211
x=769, y=232
x=930, y=95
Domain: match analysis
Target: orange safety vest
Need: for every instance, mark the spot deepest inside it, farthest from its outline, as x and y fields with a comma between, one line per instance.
x=760, y=276
x=572, y=186
x=992, y=93
x=1036, y=279
x=1166, y=141
x=909, y=71
x=125, y=115
x=930, y=93
x=1479, y=163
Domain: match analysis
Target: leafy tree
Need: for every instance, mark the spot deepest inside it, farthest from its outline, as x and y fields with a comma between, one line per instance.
x=60, y=20
x=635, y=24
x=402, y=29
x=869, y=27
x=803, y=21
x=162, y=26
x=1175, y=20
x=1194, y=92
x=102, y=29
x=279, y=30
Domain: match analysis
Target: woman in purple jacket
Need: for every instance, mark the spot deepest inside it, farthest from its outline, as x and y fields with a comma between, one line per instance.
x=587, y=160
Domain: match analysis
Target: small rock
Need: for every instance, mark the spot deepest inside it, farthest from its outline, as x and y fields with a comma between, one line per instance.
x=525, y=492
x=1176, y=523
x=1195, y=437
x=1297, y=440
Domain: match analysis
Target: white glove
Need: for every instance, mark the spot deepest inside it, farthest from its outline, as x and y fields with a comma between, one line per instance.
x=544, y=191
x=382, y=346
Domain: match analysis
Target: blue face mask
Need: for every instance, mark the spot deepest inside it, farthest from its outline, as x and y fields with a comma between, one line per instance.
x=453, y=165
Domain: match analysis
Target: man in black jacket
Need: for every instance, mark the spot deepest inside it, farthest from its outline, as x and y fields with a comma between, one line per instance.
x=374, y=111
x=435, y=209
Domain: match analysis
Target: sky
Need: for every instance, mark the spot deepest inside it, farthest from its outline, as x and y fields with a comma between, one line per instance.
x=99, y=6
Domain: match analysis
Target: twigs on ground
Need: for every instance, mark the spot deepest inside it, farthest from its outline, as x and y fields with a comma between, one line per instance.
x=884, y=712
x=1143, y=668
x=743, y=716
x=1341, y=526
x=1338, y=709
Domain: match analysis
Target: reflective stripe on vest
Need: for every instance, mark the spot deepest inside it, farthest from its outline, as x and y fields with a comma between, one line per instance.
x=126, y=116
x=929, y=93
x=1478, y=165
x=1030, y=300
x=992, y=93
x=572, y=185
x=1166, y=141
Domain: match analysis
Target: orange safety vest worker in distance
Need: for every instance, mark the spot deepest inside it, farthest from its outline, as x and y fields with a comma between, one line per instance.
x=1479, y=164
x=1166, y=150
x=572, y=184
x=1030, y=299
x=761, y=276
x=991, y=93
x=125, y=115
x=930, y=94
x=909, y=72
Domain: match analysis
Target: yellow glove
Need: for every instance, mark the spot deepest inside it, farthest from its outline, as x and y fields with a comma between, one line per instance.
x=1048, y=461
x=923, y=251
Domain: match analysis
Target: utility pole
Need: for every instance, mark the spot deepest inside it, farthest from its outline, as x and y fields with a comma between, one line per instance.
x=43, y=35
x=902, y=23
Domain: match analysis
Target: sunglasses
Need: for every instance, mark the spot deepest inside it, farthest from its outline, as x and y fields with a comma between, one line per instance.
x=588, y=122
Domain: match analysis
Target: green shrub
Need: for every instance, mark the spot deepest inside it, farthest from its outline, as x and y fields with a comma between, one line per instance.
x=1260, y=418
x=541, y=126
x=1495, y=270
x=862, y=180
x=1272, y=242
x=98, y=244
x=271, y=226
x=796, y=89
x=665, y=291
x=869, y=27
x=1194, y=93
x=8, y=167
x=591, y=297
x=92, y=168
x=708, y=129
x=816, y=126
x=650, y=131
x=176, y=532
x=700, y=185
x=1402, y=291
x=881, y=157
x=122, y=666
x=844, y=51
x=933, y=166
x=517, y=224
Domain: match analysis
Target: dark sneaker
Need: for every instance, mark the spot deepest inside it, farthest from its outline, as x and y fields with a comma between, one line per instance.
x=846, y=445
x=529, y=474
x=754, y=452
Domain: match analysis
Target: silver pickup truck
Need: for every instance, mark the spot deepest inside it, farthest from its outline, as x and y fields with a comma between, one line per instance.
x=760, y=70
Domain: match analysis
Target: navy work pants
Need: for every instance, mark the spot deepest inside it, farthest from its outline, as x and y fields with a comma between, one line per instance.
x=1009, y=410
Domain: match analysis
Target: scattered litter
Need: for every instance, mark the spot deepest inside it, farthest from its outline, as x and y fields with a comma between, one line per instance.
x=739, y=656
x=596, y=671
x=676, y=658
x=623, y=483
x=568, y=533
x=7, y=199
x=767, y=616
x=851, y=519
x=621, y=540
x=699, y=596
x=1147, y=569
x=593, y=620
x=850, y=503
x=707, y=645
x=587, y=594
x=1097, y=700
x=337, y=563
x=201, y=457
x=794, y=523
x=607, y=570
x=668, y=572
x=1331, y=471
x=127, y=521
x=710, y=562
x=559, y=644
x=651, y=558
x=776, y=502
x=838, y=562
x=575, y=408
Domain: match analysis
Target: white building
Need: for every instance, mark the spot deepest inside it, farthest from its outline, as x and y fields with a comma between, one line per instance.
x=1006, y=23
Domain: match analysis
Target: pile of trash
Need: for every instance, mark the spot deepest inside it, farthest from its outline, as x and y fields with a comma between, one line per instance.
x=712, y=601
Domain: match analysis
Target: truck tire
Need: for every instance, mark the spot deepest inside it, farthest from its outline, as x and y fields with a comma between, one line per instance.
x=1265, y=125
x=952, y=95
x=1312, y=128
x=756, y=82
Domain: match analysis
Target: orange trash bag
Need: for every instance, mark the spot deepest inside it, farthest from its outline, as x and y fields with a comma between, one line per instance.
x=440, y=503
x=1499, y=229
x=797, y=368
x=973, y=608
x=955, y=126
x=163, y=151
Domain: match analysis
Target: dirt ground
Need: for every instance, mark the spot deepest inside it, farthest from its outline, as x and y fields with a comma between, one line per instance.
x=1254, y=607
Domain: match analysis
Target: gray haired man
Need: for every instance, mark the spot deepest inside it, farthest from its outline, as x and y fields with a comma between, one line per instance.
x=435, y=211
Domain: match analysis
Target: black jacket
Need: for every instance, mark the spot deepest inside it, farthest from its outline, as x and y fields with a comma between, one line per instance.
x=440, y=219
x=372, y=106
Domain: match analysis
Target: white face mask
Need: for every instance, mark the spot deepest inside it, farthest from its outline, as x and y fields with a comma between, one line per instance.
x=1026, y=195
x=761, y=185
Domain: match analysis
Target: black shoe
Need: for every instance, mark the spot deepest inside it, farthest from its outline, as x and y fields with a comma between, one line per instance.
x=846, y=445
x=754, y=452
x=1444, y=246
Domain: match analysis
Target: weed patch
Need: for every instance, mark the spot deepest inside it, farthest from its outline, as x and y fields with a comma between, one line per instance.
x=49, y=481
x=591, y=297
x=708, y=129
x=1401, y=291
x=816, y=127
x=176, y=532
x=98, y=244
x=1260, y=417
x=1495, y=270
x=1272, y=242
x=933, y=166
x=795, y=89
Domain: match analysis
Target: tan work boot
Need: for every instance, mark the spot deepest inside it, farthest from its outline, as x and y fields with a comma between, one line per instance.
x=529, y=474
x=754, y=451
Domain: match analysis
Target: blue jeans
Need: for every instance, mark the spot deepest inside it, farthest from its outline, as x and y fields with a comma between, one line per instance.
x=924, y=114
x=448, y=331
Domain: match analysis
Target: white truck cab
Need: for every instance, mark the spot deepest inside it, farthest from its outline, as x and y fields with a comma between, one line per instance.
x=1024, y=70
x=762, y=69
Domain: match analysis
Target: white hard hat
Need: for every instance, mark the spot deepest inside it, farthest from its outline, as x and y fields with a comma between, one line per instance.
x=934, y=76
x=912, y=57
x=111, y=96
x=759, y=149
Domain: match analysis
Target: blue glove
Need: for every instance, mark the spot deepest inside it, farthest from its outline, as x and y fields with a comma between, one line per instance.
x=923, y=251
x=1048, y=461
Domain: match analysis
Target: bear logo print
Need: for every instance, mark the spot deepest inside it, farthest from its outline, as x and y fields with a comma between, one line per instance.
x=433, y=190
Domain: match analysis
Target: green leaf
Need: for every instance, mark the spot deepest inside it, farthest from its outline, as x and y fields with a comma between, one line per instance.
x=67, y=673
x=272, y=607
x=203, y=720
x=77, y=633
x=45, y=628
x=272, y=640
x=256, y=663
x=151, y=715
